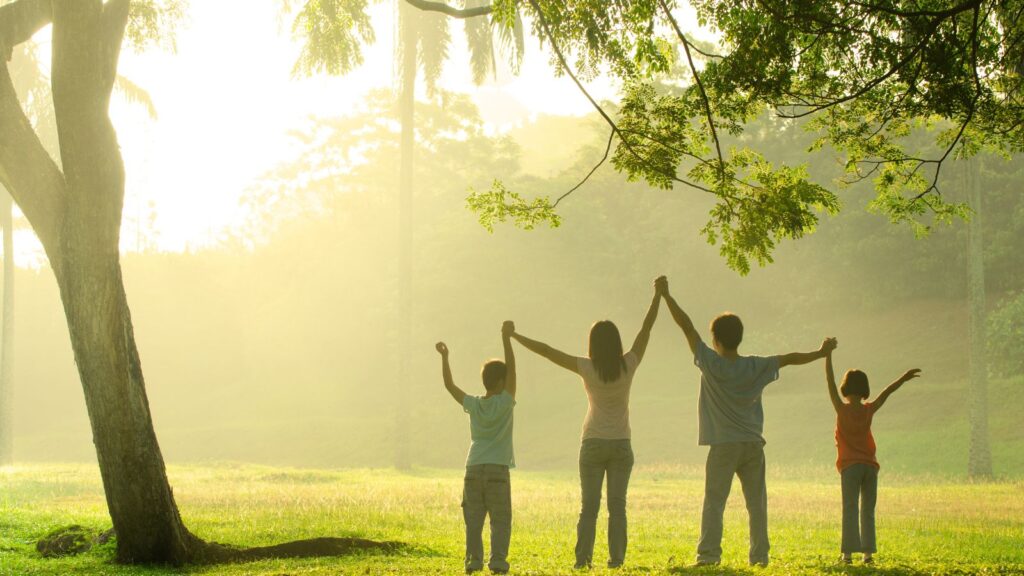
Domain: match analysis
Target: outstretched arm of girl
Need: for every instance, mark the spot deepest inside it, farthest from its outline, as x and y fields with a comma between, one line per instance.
x=830, y=377
x=907, y=376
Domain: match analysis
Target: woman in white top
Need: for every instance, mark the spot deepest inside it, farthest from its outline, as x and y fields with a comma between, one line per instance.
x=607, y=376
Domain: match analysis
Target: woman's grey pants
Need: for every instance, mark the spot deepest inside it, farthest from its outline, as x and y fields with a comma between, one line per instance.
x=598, y=458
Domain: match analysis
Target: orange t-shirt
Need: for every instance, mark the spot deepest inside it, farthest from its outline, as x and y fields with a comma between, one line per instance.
x=853, y=435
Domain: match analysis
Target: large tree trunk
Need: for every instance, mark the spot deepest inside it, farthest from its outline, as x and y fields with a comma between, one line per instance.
x=77, y=217
x=979, y=464
x=139, y=497
x=407, y=102
x=7, y=335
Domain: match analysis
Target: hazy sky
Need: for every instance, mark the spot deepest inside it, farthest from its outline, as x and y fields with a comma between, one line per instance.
x=226, y=101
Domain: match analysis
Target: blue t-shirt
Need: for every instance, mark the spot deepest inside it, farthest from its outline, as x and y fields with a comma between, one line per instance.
x=490, y=425
x=730, y=396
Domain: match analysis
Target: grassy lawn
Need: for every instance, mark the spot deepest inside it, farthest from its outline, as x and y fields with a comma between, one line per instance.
x=925, y=526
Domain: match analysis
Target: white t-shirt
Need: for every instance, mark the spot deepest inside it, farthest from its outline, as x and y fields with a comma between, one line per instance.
x=608, y=410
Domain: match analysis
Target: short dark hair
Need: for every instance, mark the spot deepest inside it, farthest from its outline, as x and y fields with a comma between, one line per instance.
x=728, y=330
x=855, y=383
x=493, y=374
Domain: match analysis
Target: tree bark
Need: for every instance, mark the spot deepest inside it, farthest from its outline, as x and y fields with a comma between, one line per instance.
x=979, y=464
x=7, y=335
x=139, y=497
x=77, y=216
x=407, y=103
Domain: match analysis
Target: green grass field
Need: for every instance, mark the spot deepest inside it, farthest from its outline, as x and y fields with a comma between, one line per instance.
x=925, y=526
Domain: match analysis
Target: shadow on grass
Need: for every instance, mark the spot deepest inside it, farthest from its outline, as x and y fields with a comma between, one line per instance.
x=694, y=569
x=74, y=540
x=852, y=570
x=304, y=477
x=887, y=570
x=215, y=553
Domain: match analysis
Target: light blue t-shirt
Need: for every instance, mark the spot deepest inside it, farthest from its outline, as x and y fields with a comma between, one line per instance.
x=490, y=425
x=730, y=396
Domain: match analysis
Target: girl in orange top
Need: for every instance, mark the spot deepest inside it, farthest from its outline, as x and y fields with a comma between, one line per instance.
x=857, y=465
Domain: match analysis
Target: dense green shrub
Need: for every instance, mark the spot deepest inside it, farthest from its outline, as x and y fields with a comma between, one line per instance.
x=1006, y=336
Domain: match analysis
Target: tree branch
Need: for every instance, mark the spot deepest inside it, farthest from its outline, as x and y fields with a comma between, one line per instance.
x=608, y=119
x=700, y=86
x=607, y=151
x=963, y=7
x=431, y=6
x=20, y=20
x=29, y=173
x=86, y=46
x=115, y=20
x=934, y=187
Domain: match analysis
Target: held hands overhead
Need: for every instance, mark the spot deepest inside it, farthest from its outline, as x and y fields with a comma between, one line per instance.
x=661, y=286
x=828, y=345
x=661, y=291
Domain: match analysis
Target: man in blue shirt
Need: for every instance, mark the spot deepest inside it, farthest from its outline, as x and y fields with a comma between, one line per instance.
x=731, y=422
x=486, y=489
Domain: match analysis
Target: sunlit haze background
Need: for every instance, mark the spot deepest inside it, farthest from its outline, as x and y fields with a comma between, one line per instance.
x=226, y=100
x=260, y=243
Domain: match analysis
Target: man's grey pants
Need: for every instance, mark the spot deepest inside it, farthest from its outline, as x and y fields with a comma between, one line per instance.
x=746, y=460
x=860, y=482
x=486, y=491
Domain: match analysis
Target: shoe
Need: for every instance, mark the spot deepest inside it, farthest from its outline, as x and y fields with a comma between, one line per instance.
x=582, y=566
x=699, y=563
x=614, y=565
x=761, y=564
x=869, y=560
x=844, y=559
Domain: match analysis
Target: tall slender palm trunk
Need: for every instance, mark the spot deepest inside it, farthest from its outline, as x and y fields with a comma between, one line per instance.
x=7, y=335
x=407, y=103
x=979, y=464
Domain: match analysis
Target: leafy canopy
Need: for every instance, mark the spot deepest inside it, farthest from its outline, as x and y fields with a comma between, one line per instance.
x=867, y=74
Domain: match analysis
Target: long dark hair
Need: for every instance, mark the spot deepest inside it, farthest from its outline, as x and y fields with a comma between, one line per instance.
x=606, y=350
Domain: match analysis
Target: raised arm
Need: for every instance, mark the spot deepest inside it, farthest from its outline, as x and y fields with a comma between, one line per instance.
x=557, y=356
x=644, y=335
x=907, y=376
x=798, y=358
x=681, y=318
x=507, y=330
x=830, y=378
x=446, y=372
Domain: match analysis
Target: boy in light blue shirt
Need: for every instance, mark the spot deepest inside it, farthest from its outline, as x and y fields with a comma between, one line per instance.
x=486, y=489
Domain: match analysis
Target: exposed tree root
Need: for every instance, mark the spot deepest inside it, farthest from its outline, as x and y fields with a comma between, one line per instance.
x=66, y=541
